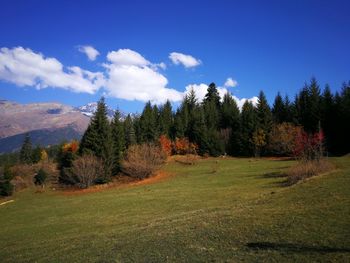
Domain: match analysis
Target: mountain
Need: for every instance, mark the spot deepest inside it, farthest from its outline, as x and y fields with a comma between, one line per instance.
x=48, y=123
x=90, y=108
x=44, y=138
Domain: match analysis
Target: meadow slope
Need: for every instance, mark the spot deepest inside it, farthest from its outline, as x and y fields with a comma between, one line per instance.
x=233, y=210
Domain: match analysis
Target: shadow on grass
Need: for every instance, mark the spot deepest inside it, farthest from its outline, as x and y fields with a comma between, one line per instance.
x=274, y=175
x=295, y=248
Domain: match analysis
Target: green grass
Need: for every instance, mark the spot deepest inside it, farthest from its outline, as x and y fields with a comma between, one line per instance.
x=232, y=211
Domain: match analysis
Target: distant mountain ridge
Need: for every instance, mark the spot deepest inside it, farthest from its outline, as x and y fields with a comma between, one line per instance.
x=47, y=123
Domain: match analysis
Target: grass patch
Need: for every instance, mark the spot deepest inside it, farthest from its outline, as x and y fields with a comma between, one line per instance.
x=194, y=215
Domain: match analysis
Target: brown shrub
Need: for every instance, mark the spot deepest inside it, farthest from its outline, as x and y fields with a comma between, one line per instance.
x=84, y=171
x=141, y=161
x=303, y=170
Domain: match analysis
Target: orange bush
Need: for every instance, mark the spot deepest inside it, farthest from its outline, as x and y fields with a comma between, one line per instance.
x=165, y=144
x=71, y=146
x=183, y=146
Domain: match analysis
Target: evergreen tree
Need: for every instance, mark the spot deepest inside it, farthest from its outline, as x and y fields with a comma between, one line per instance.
x=26, y=150
x=328, y=115
x=129, y=132
x=230, y=120
x=166, y=119
x=279, y=110
x=248, y=127
x=229, y=113
x=36, y=154
x=148, y=124
x=264, y=123
x=308, y=107
x=264, y=114
x=118, y=142
x=179, y=128
x=97, y=140
x=212, y=95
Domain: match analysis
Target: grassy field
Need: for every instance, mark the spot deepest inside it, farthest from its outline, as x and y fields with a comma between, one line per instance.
x=218, y=210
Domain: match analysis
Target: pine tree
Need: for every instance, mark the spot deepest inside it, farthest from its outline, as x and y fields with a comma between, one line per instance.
x=25, y=155
x=97, y=140
x=229, y=113
x=129, y=132
x=166, y=119
x=279, y=110
x=264, y=123
x=148, y=124
x=248, y=127
x=230, y=120
x=264, y=114
x=118, y=142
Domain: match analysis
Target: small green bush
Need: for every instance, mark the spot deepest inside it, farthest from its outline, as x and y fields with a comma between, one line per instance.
x=40, y=177
x=6, y=188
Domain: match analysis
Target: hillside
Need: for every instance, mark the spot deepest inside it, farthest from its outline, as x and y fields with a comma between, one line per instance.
x=218, y=210
x=48, y=123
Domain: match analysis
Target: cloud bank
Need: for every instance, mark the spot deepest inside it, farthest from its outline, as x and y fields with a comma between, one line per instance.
x=126, y=75
x=24, y=67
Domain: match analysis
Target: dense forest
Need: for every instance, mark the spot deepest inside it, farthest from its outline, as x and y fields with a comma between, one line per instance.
x=219, y=127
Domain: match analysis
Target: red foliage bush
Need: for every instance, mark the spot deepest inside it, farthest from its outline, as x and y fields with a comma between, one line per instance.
x=184, y=146
x=166, y=144
x=309, y=146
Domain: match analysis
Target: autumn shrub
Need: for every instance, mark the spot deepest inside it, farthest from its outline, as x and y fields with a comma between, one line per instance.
x=85, y=171
x=283, y=138
x=141, y=161
x=306, y=169
x=166, y=144
x=309, y=146
x=184, y=146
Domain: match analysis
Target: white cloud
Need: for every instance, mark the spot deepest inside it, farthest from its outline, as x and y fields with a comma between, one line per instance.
x=127, y=57
x=186, y=60
x=24, y=67
x=132, y=77
x=230, y=83
x=89, y=51
x=201, y=91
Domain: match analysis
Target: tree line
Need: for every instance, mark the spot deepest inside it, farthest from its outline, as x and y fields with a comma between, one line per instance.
x=218, y=127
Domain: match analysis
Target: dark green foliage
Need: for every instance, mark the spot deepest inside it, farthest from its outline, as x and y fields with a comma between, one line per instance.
x=129, y=131
x=166, y=120
x=26, y=150
x=97, y=140
x=40, y=177
x=148, y=124
x=308, y=106
x=249, y=123
x=65, y=160
x=229, y=113
x=118, y=141
x=279, y=110
x=264, y=119
x=264, y=116
x=6, y=188
x=36, y=154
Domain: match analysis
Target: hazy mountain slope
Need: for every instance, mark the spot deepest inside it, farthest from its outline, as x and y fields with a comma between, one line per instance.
x=21, y=118
x=43, y=137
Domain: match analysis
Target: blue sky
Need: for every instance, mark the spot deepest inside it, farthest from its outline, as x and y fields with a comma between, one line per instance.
x=269, y=45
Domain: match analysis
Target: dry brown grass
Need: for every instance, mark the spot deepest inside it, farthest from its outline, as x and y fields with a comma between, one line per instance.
x=188, y=159
x=306, y=169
